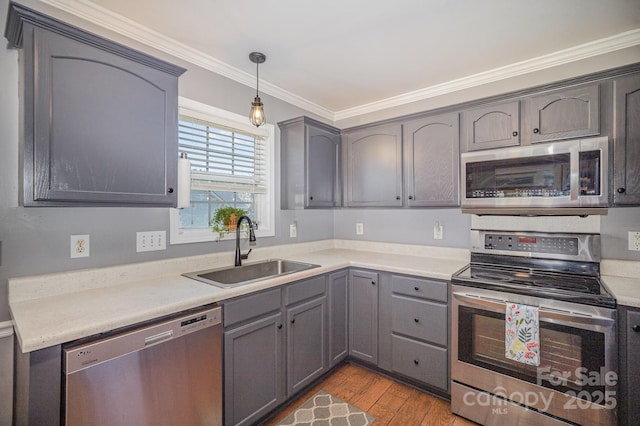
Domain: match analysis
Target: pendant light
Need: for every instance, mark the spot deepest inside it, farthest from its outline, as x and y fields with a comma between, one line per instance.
x=257, y=112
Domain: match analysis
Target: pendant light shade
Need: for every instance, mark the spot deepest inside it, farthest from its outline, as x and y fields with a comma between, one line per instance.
x=256, y=115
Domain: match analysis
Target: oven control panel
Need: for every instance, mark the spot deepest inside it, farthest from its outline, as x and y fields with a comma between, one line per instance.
x=531, y=243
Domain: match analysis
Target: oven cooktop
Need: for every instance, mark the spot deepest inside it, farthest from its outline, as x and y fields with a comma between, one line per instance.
x=551, y=285
x=553, y=266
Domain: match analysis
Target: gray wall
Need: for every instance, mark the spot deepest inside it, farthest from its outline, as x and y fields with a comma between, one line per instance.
x=36, y=240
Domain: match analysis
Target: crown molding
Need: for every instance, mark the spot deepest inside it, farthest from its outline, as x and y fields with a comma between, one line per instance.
x=572, y=54
x=107, y=19
x=124, y=26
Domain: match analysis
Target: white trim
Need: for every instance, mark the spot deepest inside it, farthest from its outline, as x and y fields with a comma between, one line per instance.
x=6, y=329
x=583, y=51
x=267, y=226
x=112, y=21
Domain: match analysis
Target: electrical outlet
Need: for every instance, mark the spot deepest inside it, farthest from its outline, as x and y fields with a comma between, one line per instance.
x=151, y=240
x=359, y=229
x=438, y=231
x=293, y=230
x=634, y=240
x=80, y=246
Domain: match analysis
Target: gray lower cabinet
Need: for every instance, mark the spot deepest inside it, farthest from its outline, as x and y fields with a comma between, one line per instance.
x=420, y=330
x=562, y=114
x=363, y=315
x=373, y=166
x=254, y=358
x=310, y=159
x=431, y=161
x=338, y=295
x=100, y=119
x=629, y=383
x=490, y=126
x=275, y=343
x=306, y=343
x=626, y=163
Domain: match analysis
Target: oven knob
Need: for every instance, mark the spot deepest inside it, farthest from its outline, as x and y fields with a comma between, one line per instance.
x=636, y=328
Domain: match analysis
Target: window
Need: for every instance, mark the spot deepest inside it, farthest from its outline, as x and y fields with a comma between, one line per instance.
x=231, y=165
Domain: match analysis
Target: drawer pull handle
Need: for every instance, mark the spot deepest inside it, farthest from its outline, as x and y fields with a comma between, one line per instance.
x=515, y=133
x=416, y=288
x=636, y=328
x=373, y=283
x=293, y=321
x=416, y=320
x=416, y=362
x=279, y=326
x=536, y=130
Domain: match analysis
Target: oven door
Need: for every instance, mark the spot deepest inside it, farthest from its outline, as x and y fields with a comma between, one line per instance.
x=577, y=376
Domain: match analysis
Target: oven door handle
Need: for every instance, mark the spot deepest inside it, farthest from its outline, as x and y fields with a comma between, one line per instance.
x=545, y=314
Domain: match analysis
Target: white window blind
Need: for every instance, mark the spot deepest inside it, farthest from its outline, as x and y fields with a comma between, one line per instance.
x=222, y=158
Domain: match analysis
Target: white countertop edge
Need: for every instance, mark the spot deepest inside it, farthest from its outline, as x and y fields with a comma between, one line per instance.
x=57, y=283
x=155, y=297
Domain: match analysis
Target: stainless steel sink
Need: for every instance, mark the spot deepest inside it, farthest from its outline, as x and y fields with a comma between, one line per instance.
x=231, y=276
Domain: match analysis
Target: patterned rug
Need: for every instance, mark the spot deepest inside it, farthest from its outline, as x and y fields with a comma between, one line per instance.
x=323, y=409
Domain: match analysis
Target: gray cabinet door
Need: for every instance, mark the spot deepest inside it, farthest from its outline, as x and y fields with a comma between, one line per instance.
x=432, y=161
x=629, y=371
x=491, y=126
x=100, y=128
x=323, y=150
x=306, y=343
x=310, y=164
x=564, y=114
x=254, y=370
x=363, y=315
x=373, y=172
x=626, y=166
x=338, y=316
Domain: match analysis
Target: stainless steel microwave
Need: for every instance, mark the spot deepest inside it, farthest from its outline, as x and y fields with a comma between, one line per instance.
x=544, y=179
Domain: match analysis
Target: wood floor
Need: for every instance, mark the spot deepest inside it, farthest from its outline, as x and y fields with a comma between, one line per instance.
x=391, y=403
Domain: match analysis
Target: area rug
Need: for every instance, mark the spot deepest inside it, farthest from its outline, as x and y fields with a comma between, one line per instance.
x=324, y=409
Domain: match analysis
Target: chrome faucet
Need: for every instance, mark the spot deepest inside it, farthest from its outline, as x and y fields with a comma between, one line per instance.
x=252, y=239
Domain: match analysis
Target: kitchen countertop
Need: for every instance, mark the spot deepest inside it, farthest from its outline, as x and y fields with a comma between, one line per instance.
x=622, y=277
x=52, y=309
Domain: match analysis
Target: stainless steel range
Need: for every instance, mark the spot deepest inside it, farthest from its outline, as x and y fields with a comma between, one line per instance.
x=569, y=375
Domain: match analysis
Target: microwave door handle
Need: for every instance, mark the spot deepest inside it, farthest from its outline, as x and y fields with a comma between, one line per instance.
x=574, y=177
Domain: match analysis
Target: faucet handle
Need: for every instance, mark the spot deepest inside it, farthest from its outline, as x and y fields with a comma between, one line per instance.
x=246, y=255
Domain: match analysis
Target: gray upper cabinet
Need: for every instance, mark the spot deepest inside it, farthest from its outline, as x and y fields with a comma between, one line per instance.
x=373, y=169
x=626, y=166
x=310, y=158
x=491, y=126
x=100, y=119
x=431, y=161
x=562, y=114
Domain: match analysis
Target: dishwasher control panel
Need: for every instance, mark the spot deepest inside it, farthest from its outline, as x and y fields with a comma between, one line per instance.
x=89, y=354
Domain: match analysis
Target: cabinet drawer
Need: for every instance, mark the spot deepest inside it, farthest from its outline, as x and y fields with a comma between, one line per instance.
x=247, y=307
x=420, y=319
x=420, y=361
x=305, y=289
x=419, y=287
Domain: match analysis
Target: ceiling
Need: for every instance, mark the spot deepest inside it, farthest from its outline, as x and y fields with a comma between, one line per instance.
x=338, y=56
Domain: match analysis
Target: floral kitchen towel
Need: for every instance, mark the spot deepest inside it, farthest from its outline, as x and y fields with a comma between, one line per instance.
x=522, y=333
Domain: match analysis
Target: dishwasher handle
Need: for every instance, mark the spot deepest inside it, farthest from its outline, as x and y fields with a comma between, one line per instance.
x=89, y=354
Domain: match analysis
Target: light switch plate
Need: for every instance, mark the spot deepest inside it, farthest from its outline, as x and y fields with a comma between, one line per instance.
x=634, y=240
x=359, y=229
x=293, y=230
x=438, y=231
x=151, y=241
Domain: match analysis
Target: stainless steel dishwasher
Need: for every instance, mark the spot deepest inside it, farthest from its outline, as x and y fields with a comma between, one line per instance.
x=164, y=373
